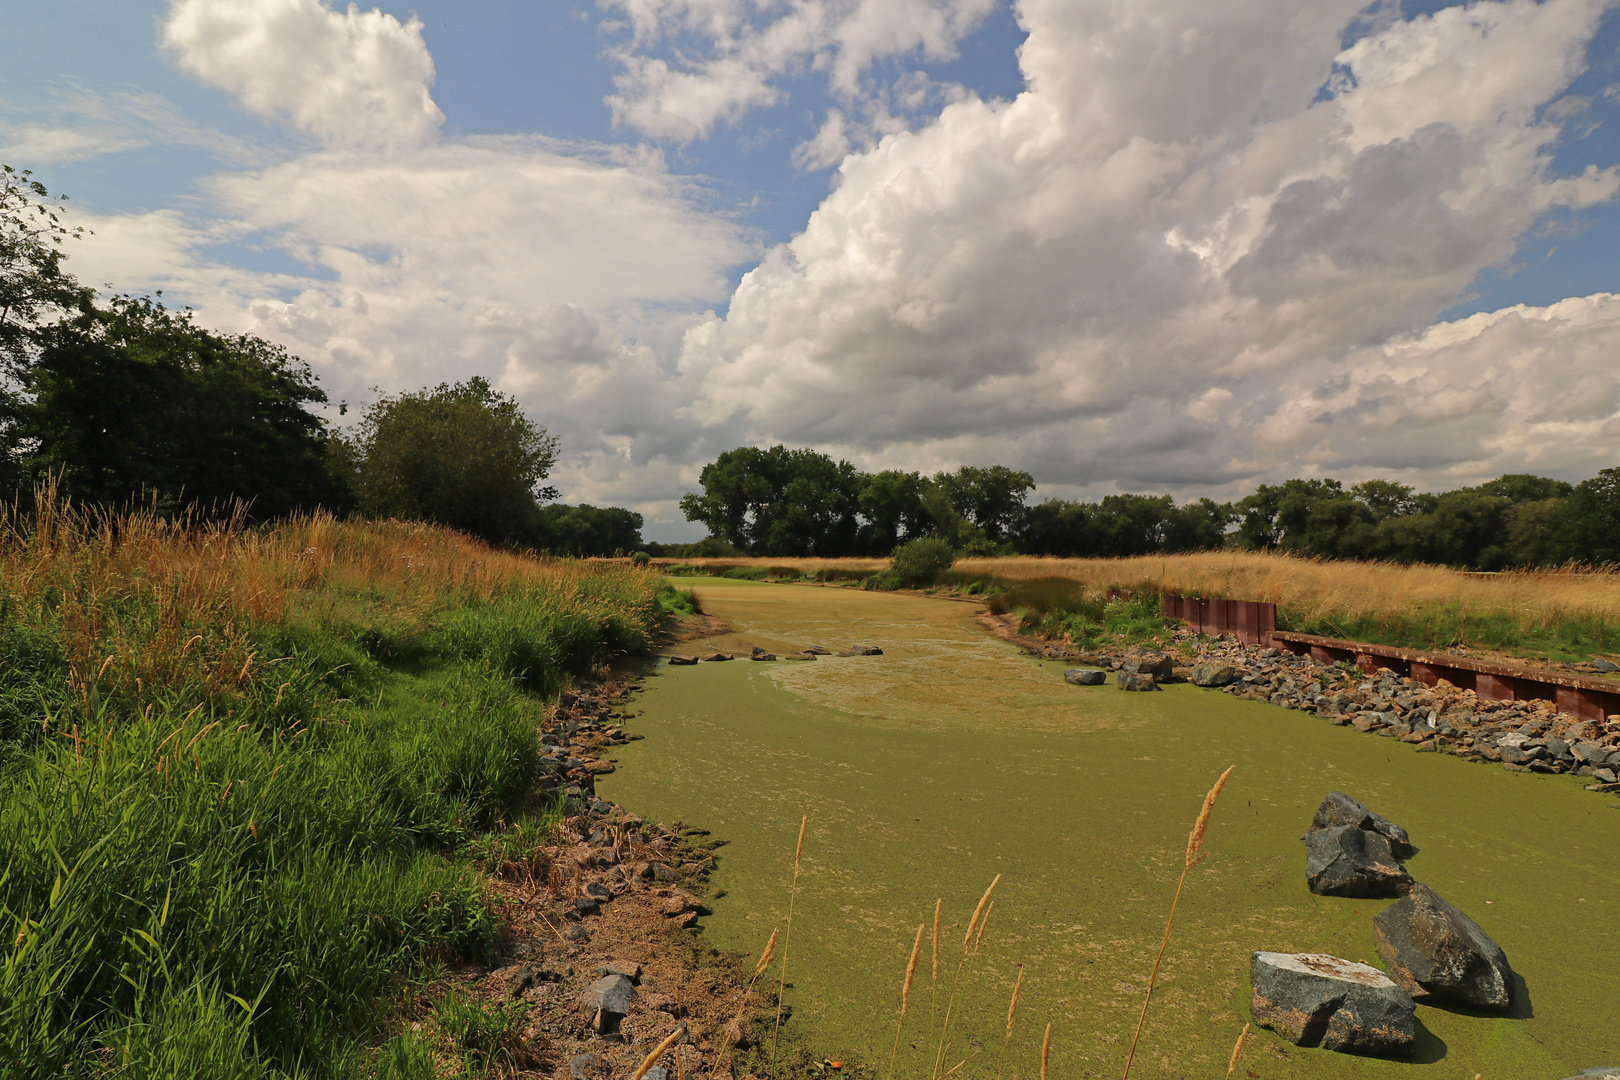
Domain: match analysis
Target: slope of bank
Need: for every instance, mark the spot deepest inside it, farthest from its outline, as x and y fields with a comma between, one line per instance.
x=245, y=776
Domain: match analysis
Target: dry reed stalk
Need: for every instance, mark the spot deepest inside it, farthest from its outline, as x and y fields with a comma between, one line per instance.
x=956, y=982
x=933, y=986
x=963, y=1062
x=1046, y=1048
x=764, y=962
x=1237, y=1049
x=905, y=995
x=787, y=938
x=658, y=1051
x=982, y=924
x=1012, y=1012
x=1195, y=841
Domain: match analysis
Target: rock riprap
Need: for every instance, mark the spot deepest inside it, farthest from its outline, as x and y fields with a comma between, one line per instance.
x=1436, y=953
x=1602, y=1072
x=1215, y=674
x=1318, y=1000
x=1085, y=677
x=1148, y=662
x=608, y=999
x=1340, y=809
x=1349, y=861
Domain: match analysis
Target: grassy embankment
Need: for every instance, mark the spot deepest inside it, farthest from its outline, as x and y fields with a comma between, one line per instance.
x=1567, y=615
x=247, y=778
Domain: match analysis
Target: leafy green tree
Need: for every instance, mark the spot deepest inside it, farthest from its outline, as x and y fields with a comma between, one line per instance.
x=990, y=497
x=1523, y=487
x=584, y=531
x=1594, y=519
x=1276, y=512
x=891, y=504
x=461, y=455
x=132, y=400
x=1385, y=498
x=779, y=502
x=34, y=286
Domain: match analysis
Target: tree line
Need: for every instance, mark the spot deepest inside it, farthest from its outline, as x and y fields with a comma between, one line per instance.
x=123, y=399
x=781, y=502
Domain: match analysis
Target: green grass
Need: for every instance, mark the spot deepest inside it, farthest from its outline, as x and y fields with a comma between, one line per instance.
x=241, y=881
x=1056, y=606
x=1571, y=638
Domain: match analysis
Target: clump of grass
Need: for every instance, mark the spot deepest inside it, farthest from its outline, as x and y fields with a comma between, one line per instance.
x=250, y=772
x=482, y=1033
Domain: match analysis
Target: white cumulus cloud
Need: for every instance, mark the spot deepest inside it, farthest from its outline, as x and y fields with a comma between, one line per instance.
x=347, y=78
x=1165, y=263
x=690, y=65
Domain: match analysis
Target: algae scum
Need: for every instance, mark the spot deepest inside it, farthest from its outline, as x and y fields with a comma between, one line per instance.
x=953, y=757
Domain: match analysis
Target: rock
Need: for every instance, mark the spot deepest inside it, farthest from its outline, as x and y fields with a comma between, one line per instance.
x=862, y=650
x=1607, y=788
x=1215, y=675
x=609, y=999
x=716, y=657
x=1437, y=953
x=1083, y=677
x=1604, y=776
x=581, y=1067
x=682, y=660
x=1317, y=1000
x=735, y=1035
x=655, y=871
x=1340, y=809
x=1602, y=1072
x=1149, y=662
x=600, y=892
x=757, y=650
x=1347, y=861
x=799, y=656
x=521, y=981
x=818, y=651
x=1603, y=664
x=597, y=768
x=629, y=970
x=763, y=656
x=657, y=1072
x=578, y=935
x=586, y=905
x=1128, y=680
x=1590, y=753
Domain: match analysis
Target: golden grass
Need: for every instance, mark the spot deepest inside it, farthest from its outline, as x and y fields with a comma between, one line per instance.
x=141, y=602
x=1310, y=589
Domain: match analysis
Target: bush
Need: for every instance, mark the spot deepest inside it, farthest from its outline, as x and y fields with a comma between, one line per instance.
x=746, y=573
x=920, y=562
x=883, y=581
x=640, y=558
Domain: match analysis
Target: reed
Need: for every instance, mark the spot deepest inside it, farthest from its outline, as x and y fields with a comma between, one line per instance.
x=1012, y=1013
x=933, y=987
x=787, y=938
x=1237, y=1050
x=905, y=995
x=956, y=982
x=1195, y=842
x=1046, y=1048
x=659, y=1050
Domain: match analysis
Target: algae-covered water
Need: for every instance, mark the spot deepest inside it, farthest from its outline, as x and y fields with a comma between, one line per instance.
x=953, y=757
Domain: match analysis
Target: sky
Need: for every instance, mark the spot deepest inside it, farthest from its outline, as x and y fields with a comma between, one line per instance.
x=1158, y=246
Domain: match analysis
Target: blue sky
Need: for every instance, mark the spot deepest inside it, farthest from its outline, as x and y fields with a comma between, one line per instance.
x=1205, y=248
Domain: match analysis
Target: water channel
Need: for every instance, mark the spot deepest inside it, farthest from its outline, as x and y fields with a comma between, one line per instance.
x=954, y=757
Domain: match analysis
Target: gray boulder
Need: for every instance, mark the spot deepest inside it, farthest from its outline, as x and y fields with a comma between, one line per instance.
x=1602, y=1072
x=608, y=998
x=1148, y=662
x=1131, y=680
x=1347, y=861
x=1085, y=677
x=1436, y=953
x=862, y=650
x=1215, y=675
x=682, y=660
x=1340, y=809
x=1317, y=1000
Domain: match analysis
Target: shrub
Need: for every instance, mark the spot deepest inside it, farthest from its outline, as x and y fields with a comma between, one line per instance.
x=883, y=581
x=746, y=573
x=640, y=558
x=920, y=562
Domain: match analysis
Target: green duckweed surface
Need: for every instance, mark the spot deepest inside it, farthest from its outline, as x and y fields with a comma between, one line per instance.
x=953, y=757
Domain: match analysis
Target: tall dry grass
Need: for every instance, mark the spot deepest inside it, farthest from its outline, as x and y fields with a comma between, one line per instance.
x=1577, y=608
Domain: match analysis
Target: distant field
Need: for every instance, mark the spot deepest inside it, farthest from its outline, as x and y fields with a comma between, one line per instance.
x=1562, y=615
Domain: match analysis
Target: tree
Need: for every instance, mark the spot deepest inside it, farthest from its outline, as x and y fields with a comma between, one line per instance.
x=1385, y=498
x=779, y=502
x=1274, y=513
x=991, y=497
x=133, y=400
x=891, y=502
x=1523, y=487
x=460, y=455
x=34, y=286
x=1594, y=518
x=584, y=530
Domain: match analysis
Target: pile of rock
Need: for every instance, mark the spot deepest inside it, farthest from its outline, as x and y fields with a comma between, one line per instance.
x=1521, y=735
x=1139, y=669
x=758, y=653
x=1435, y=953
x=581, y=725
